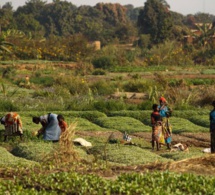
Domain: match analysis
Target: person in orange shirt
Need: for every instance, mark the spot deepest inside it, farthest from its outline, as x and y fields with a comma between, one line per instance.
x=13, y=125
x=62, y=123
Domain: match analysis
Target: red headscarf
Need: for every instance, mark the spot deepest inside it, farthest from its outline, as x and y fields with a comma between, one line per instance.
x=162, y=99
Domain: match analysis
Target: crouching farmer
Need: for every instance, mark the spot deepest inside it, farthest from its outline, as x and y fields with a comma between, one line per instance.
x=50, y=130
x=13, y=125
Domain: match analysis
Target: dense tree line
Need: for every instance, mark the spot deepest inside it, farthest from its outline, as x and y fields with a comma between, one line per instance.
x=41, y=30
x=104, y=21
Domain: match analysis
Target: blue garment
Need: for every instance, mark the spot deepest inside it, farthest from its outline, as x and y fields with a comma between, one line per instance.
x=52, y=130
x=168, y=140
x=163, y=110
x=212, y=117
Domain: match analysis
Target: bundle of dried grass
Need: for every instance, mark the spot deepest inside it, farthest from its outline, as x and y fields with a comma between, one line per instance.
x=66, y=146
x=64, y=151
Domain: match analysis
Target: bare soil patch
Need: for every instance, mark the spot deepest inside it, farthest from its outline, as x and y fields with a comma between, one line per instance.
x=190, y=139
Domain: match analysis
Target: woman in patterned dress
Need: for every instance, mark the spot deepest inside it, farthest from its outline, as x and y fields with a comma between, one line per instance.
x=13, y=125
x=156, y=121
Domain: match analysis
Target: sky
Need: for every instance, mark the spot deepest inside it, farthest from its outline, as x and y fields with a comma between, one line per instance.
x=181, y=6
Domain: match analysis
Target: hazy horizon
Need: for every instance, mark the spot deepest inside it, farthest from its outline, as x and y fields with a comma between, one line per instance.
x=181, y=6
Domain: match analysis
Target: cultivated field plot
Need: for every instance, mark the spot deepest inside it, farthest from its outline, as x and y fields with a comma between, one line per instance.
x=37, y=165
x=97, y=127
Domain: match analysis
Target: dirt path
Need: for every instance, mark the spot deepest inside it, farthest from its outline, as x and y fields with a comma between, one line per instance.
x=190, y=139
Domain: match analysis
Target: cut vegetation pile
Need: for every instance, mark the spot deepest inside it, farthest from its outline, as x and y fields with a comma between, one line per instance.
x=200, y=165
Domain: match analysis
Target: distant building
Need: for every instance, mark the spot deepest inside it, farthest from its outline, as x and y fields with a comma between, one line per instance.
x=95, y=44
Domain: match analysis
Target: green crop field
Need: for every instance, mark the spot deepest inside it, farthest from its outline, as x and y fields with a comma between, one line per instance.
x=35, y=166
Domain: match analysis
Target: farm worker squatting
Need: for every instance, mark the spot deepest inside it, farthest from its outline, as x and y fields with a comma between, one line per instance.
x=13, y=125
x=52, y=126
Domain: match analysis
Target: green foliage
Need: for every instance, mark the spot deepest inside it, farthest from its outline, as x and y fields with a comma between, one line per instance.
x=154, y=181
x=189, y=113
x=146, y=105
x=127, y=155
x=199, y=81
x=143, y=116
x=181, y=125
x=182, y=121
x=99, y=71
x=109, y=105
x=144, y=41
x=197, y=117
x=129, y=125
x=127, y=183
x=35, y=151
x=7, y=105
x=63, y=181
x=155, y=20
x=7, y=159
x=46, y=80
x=89, y=115
x=75, y=85
x=104, y=62
x=136, y=86
x=178, y=155
x=208, y=71
x=102, y=88
x=168, y=53
x=86, y=125
x=8, y=72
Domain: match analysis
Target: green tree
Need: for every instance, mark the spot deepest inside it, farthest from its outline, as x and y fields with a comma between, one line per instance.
x=33, y=7
x=132, y=13
x=27, y=23
x=27, y=17
x=115, y=22
x=114, y=14
x=155, y=19
x=57, y=18
x=204, y=17
x=6, y=17
x=89, y=22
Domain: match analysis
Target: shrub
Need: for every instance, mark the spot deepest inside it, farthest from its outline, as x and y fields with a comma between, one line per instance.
x=104, y=62
x=102, y=88
x=199, y=81
x=80, y=104
x=99, y=71
x=8, y=72
x=8, y=105
x=145, y=105
x=45, y=81
x=136, y=86
x=109, y=105
x=75, y=85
